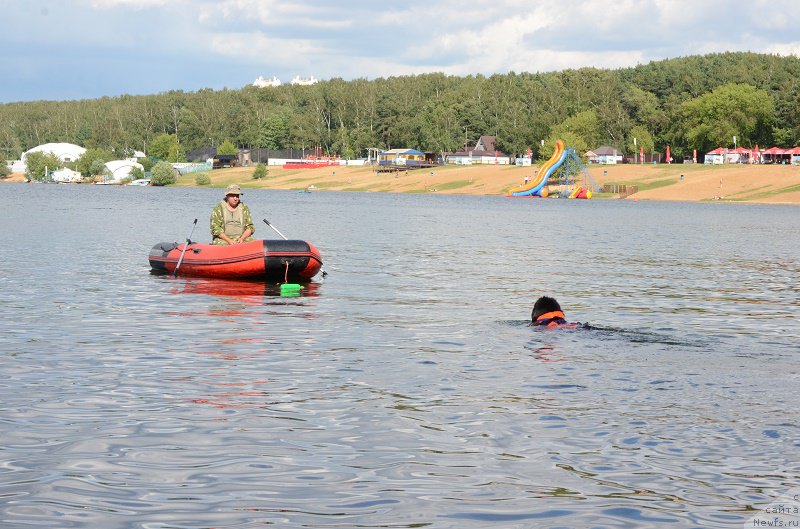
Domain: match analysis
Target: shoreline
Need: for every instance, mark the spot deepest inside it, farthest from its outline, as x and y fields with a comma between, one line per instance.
x=763, y=184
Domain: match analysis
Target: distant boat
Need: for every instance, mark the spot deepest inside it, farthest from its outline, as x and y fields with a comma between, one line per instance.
x=140, y=182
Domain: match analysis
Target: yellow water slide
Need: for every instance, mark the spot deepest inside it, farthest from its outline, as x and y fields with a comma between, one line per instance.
x=540, y=180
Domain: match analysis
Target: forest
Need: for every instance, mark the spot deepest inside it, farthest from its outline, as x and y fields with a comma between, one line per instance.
x=697, y=102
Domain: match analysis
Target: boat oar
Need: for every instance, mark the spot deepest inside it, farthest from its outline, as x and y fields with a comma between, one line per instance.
x=276, y=230
x=188, y=242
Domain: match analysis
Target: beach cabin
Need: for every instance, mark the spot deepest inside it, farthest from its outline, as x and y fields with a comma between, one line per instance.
x=484, y=152
x=604, y=155
x=525, y=160
x=776, y=155
x=738, y=155
x=406, y=157
x=715, y=157
x=794, y=152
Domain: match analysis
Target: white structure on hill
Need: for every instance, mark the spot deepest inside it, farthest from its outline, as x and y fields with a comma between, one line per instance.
x=66, y=152
x=302, y=81
x=266, y=83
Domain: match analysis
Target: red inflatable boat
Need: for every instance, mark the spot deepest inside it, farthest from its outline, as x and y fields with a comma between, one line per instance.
x=278, y=260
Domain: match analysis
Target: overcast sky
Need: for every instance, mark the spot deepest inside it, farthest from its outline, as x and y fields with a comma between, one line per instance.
x=77, y=49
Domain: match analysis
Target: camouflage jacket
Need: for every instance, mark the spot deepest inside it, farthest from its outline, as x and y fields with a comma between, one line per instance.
x=232, y=223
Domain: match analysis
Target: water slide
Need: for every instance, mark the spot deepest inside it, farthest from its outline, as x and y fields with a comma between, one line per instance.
x=534, y=188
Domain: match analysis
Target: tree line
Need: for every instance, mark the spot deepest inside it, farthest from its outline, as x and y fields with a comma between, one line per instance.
x=697, y=102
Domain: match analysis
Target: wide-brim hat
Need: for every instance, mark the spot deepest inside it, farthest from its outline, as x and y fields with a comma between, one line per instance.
x=233, y=189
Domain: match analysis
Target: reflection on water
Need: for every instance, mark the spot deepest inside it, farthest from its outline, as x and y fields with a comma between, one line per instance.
x=406, y=389
x=241, y=288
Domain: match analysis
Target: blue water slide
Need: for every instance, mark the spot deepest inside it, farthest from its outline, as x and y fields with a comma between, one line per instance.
x=549, y=171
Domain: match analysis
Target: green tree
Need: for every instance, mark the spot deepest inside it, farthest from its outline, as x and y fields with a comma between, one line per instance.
x=644, y=107
x=260, y=172
x=39, y=165
x=581, y=132
x=83, y=134
x=783, y=136
x=147, y=163
x=176, y=153
x=98, y=167
x=202, y=179
x=430, y=112
x=644, y=140
x=163, y=174
x=164, y=146
x=87, y=164
x=136, y=173
x=4, y=170
x=273, y=132
x=570, y=139
x=740, y=110
x=582, y=129
x=227, y=147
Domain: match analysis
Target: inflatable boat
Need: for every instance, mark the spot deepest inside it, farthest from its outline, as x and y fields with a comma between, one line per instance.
x=279, y=260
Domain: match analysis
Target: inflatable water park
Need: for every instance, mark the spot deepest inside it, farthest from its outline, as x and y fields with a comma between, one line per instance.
x=570, y=164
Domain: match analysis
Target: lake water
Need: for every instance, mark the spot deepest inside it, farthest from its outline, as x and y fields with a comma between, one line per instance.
x=405, y=389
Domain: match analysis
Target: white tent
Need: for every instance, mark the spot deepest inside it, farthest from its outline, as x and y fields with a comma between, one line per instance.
x=65, y=175
x=121, y=169
x=66, y=152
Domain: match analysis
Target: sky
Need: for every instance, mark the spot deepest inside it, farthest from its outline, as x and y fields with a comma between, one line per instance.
x=86, y=49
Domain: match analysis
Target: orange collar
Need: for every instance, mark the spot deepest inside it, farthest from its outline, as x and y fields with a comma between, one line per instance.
x=551, y=315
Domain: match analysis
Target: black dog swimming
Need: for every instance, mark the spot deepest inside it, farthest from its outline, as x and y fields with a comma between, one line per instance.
x=547, y=313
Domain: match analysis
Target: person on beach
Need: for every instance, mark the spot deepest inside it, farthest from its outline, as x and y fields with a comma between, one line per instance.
x=547, y=313
x=231, y=222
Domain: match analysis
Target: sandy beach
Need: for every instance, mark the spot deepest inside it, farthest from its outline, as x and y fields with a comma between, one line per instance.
x=776, y=184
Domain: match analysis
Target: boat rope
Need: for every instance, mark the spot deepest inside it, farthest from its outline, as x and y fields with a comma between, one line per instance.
x=286, y=273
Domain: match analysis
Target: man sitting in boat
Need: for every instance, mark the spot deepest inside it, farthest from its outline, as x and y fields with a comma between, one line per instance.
x=231, y=222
